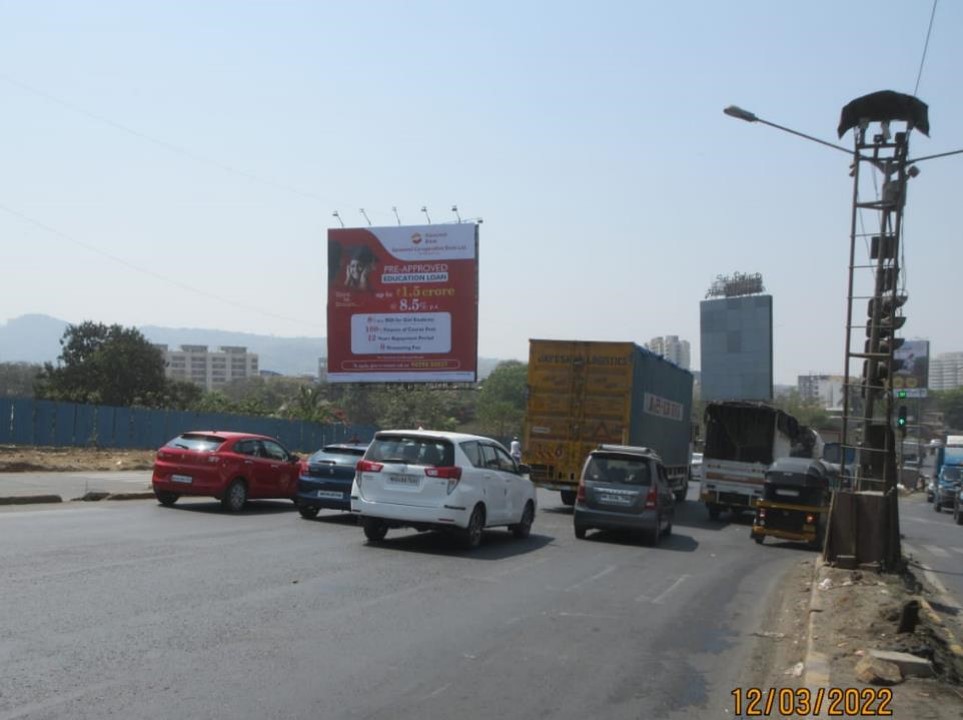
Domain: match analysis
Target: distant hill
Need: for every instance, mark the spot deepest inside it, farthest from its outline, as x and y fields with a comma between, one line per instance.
x=36, y=339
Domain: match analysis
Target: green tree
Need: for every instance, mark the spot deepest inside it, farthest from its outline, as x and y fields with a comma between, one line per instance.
x=17, y=379
x=501, y=400
x=309, y=404
x=808, y=412
x=105, y=364
x=950, y=403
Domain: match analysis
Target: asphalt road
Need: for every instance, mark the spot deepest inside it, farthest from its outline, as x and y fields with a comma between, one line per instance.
x=936, y=541
x=131, y=610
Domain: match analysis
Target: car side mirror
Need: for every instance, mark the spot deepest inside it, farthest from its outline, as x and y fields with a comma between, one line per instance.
x=525, y=469
x=294, y=458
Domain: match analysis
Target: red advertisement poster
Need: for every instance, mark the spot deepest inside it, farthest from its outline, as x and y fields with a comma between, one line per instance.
x=403, y=304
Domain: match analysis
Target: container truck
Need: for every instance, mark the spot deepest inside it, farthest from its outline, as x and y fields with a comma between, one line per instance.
x=583, y=394
x=742, y=440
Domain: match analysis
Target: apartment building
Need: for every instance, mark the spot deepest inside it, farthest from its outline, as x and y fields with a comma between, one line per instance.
x=946, y=371
x=827, y=390
x=209, y=369
x=672, y=349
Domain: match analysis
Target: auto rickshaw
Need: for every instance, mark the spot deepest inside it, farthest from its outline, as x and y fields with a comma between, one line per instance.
x=795, y=502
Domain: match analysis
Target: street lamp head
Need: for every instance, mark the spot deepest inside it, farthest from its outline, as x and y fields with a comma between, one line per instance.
x=737, y=112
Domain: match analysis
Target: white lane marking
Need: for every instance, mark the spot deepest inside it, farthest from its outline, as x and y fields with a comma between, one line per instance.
x=665, y=593
x=590, y=615
x=957, y=550
x=938, y=551
x=54, y=701
x=437, y=692
x=596, y=576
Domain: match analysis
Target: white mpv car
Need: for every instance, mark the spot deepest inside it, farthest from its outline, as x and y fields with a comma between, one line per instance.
x=441, y=481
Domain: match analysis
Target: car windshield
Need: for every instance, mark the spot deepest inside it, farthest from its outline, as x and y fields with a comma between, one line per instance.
x=951, y=473
x=411, y=450
x=618, y=469
x=196, y=442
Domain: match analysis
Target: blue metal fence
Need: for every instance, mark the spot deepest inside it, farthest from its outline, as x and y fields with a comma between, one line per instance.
x=27, y=421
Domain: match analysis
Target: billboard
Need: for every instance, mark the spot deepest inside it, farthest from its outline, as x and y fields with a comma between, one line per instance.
x=911, y=364
x=403, y=303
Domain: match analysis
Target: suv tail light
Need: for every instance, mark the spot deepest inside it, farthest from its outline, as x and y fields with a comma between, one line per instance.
x=580, y=495
x=651, y=498
x=452, y=474
x=364, y=466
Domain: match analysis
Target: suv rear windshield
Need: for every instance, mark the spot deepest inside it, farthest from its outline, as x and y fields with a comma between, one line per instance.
x=411, y=450
x=196, y=442
x=624, y=469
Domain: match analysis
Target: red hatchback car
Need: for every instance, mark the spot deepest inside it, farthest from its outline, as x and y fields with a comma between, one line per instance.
x=230, y=466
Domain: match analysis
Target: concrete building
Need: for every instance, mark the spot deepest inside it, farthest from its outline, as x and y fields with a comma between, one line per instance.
x=210, y=370
x=736, y=340
x=827, y=390
x=672, y=349
x=946, y=371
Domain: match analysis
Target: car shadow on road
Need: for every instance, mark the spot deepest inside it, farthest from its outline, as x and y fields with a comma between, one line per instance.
x=675, y=541
x=335, y=518
x=558, y=510
x=496, y=544
x=695, y=515
x=253, y=507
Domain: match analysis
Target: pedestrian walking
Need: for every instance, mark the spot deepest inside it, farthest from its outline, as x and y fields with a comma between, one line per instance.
x=516, y=449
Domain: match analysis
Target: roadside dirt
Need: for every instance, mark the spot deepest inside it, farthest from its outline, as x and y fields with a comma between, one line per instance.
x=16, y=458
x=860, y=611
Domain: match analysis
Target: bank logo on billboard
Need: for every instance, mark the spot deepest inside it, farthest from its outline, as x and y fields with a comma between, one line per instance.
x=416, y=238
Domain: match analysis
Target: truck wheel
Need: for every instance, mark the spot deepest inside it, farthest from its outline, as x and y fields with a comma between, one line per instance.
x=714, y=511
x=760, y=538
x=568, y=497
x=957, y=513
x=680, y=495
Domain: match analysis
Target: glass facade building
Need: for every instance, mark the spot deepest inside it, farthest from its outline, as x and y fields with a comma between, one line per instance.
x=736, y=340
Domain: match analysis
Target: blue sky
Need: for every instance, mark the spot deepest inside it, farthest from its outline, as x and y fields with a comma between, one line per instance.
x=153, y=149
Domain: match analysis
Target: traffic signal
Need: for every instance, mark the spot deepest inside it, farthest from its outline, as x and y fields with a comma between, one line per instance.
x=901, y=394
x=901, y=419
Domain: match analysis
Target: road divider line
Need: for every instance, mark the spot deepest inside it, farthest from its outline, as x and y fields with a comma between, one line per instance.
x=597, y=576
x=665, y=593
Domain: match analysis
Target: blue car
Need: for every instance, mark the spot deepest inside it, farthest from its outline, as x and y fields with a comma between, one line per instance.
x=326, y=477
x=947, y=487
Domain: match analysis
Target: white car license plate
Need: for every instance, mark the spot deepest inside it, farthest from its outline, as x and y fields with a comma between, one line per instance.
x=330, y=494
x=406, y=480
x=186, y=479
x=615, y=499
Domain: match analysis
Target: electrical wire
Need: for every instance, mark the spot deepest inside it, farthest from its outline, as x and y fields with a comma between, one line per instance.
x=170, y=147
x=926, y=46
x=145, y=271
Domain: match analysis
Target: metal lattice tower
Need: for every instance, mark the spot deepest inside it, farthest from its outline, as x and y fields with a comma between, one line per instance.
x=874, y=279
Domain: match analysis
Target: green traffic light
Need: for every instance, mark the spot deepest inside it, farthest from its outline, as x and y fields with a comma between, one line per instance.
x=900, y=394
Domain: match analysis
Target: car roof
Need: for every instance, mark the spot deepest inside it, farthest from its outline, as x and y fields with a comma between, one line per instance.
x=435, y=435
x=627, y=450
x=227, y=434
x=344, y=446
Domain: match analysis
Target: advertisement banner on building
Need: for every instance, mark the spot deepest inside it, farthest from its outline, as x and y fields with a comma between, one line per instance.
x=403, y=304
x=911, y=368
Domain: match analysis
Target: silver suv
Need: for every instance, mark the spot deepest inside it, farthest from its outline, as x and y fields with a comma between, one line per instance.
x=624, y=488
